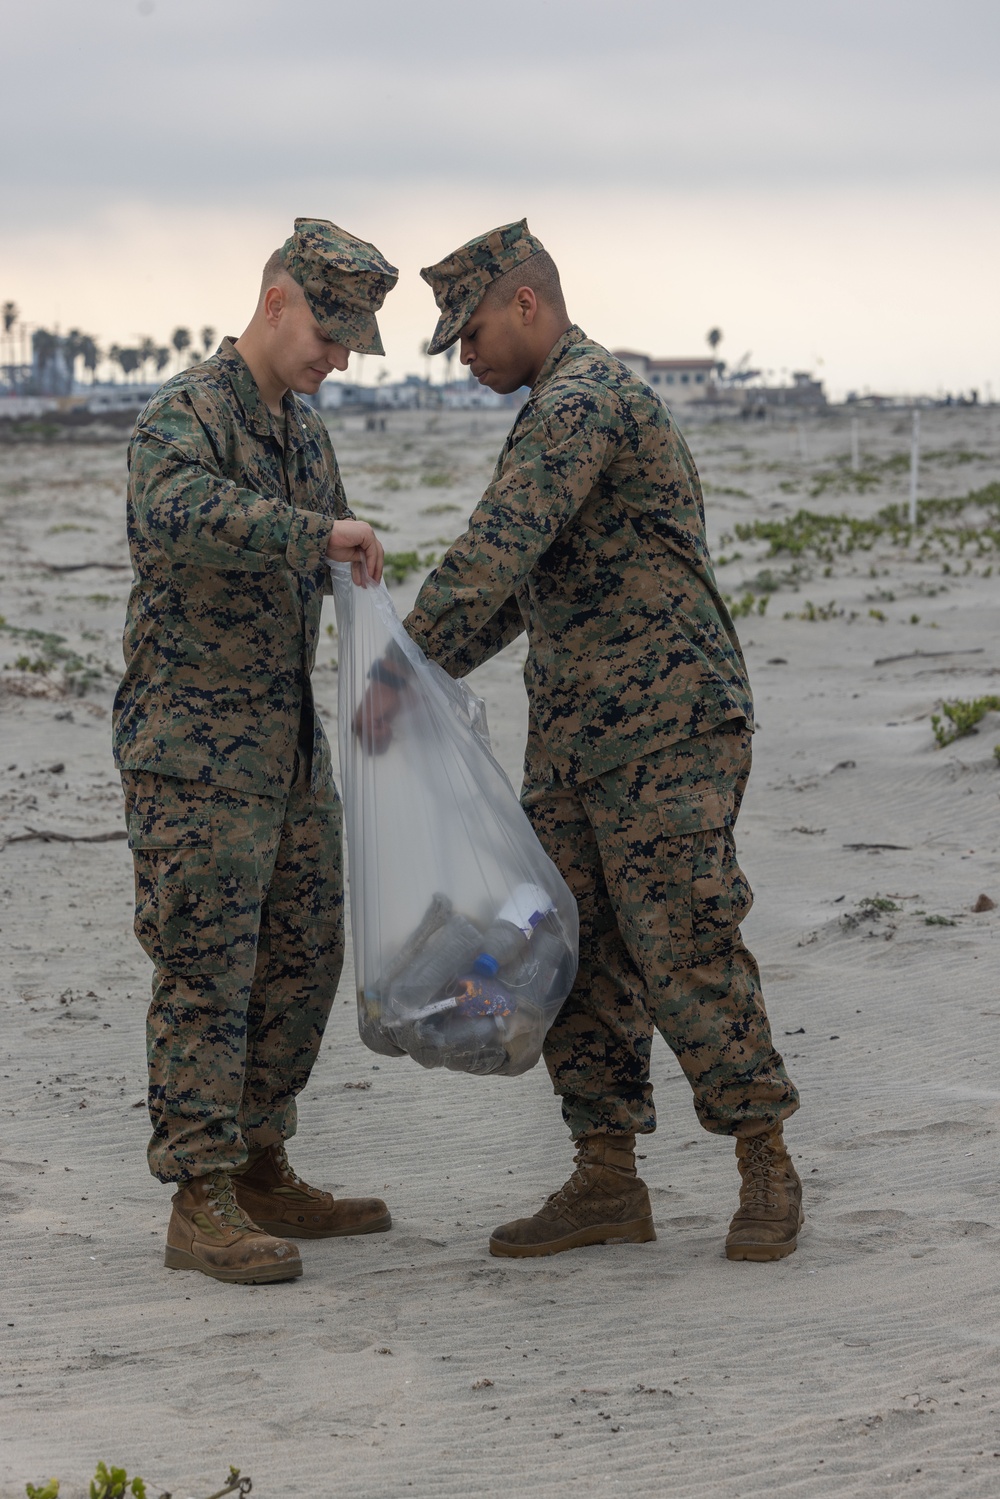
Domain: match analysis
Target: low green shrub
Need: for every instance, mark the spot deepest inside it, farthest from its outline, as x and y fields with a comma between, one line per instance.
x=114, y=1483
x=399, y=565
x=80, y=672
x=962, y=718
x=943, y=526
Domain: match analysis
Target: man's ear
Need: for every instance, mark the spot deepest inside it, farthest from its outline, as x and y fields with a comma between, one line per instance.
x=274, y=304
x=527, y=305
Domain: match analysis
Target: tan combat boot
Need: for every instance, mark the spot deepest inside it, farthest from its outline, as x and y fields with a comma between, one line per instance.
x=603, y=1202
x=766, y=1224
x=269, y=1190
x=208, y=1231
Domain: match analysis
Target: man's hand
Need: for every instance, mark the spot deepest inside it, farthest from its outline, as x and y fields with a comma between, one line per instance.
x=373, y=720
x=355, y=542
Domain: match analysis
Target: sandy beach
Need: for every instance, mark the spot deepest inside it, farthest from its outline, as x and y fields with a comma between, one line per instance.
x=412, y=1362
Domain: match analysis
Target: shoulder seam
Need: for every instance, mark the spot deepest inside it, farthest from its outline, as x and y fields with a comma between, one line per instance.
x=205, y=387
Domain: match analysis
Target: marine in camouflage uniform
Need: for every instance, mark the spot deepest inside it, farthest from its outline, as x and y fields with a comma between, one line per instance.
x=591, y=537
x=234, y=820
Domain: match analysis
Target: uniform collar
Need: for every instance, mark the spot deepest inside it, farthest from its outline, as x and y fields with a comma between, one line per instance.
x=558, y=352
x=259, y=419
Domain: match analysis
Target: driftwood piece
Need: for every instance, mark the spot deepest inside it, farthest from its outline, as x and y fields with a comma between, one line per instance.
x=47, y=835
x=78, y=567
x=858, y=847
x=977, y=650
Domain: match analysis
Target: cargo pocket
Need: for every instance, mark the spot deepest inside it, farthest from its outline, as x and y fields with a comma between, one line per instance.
x=178, y=904
x=707, y=893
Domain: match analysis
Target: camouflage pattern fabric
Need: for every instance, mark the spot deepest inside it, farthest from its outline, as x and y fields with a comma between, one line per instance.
x=648, y=851
x=229, y=514
x=345, y=280
x=459, y=281
x=592, y=537
x=239, y=904
x=234, y=821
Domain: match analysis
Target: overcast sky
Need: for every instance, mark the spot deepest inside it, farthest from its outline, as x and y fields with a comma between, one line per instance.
x=818, y=179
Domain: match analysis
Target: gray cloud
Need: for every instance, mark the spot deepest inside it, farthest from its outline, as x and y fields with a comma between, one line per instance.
x=197, y=102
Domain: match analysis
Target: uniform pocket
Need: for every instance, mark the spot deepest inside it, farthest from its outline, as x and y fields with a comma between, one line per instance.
x=707, y=892
x=178, y=903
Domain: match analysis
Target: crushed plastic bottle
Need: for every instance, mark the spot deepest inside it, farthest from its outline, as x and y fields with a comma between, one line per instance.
x=447, y=953
x=454, y=996
x=509, y=935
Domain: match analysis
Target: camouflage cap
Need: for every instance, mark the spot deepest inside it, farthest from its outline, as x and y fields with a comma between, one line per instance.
x=459, y=281
x=345, y=280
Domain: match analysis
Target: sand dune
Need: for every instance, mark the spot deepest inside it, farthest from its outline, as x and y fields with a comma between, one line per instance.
x=413, y=1363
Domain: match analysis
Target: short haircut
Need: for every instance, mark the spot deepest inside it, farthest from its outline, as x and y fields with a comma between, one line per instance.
x=274, y=269
x=539, y=272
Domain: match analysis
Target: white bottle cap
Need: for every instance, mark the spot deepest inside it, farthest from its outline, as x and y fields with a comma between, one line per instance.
x=528, y=905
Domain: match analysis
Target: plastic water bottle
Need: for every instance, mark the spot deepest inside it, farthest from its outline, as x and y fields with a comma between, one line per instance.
x=464, y=1043
x=544, y=976
x=446, y=955
x=509, y=935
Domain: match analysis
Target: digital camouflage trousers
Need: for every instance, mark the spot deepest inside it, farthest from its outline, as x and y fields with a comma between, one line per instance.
x=648, y=851
x=239, y=902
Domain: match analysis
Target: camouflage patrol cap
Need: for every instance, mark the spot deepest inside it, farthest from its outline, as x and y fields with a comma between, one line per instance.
x=459, y=281
x=345, y=280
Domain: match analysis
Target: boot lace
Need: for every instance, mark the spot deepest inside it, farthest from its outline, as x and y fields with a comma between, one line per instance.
x=223, y=1202
x=286, y=1168
x=568, y=1192
x=758, y=1174
x=577, y=1185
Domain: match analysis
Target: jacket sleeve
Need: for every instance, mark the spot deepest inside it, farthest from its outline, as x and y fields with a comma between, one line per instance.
x=188, y=509
x=547, y=475
x=503, y=627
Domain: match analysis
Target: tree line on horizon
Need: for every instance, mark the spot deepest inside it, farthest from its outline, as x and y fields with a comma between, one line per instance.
x=140, y=361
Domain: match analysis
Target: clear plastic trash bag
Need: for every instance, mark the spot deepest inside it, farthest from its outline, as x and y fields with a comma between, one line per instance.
x=465, y=934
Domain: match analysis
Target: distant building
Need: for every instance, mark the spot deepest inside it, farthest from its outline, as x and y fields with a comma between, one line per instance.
x=111, y=398
x=676, y=380
x=804, y=394
x=15, y=379
x=412, y=393
x=469, y=395
x=343, y=395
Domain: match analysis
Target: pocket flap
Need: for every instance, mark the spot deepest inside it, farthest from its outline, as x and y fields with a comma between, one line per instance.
x=683, y=811
x=149, y=828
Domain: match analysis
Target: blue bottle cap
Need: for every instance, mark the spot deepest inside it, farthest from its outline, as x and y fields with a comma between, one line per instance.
x=486, y=965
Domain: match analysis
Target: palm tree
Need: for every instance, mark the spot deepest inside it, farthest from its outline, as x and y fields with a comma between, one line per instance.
x=128, y=359
x=207, y=340
x=9, y=315
x=181, y=340
x=43, y=353
x=162, y=359
x=72, y=348
x=146, y=352
x=91, y=354
x=713, y=338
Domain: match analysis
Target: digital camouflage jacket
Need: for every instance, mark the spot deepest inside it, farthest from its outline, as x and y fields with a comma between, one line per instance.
x=229, y=514
x=592, y=538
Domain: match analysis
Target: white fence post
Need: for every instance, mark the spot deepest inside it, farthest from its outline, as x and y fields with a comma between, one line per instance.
x=914, y=466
